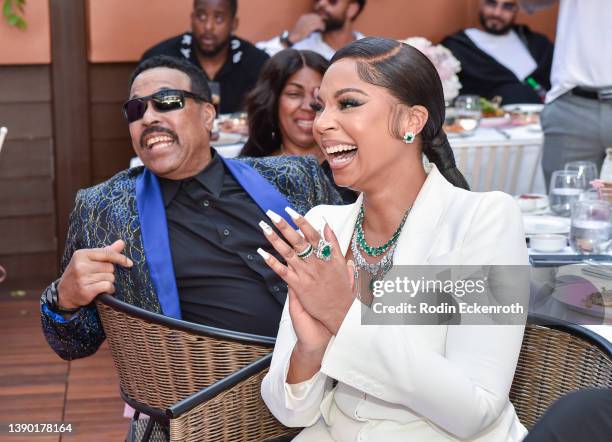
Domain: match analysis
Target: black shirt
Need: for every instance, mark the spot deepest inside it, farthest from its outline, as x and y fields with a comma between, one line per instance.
x=236, y=77
x=482, y=75
x=214, y=235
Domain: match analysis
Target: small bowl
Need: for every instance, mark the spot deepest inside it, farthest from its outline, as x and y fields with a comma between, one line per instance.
x=531, y=202
x=549, y=242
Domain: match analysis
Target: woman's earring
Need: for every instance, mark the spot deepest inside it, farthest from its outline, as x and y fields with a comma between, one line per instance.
x=408, y=137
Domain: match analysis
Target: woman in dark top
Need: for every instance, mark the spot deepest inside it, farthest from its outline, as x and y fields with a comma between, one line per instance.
x=279, y=110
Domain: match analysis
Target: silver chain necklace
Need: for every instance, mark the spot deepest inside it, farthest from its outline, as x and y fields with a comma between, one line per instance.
x=378, y=270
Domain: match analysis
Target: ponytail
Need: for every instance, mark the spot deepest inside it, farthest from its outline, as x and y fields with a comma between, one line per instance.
x=439, y=152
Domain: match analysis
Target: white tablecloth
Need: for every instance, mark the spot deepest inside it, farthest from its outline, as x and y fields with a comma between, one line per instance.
x=506, y=159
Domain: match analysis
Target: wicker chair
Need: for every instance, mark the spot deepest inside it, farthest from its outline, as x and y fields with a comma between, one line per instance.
x=556, y=358
x=196, y=383
x=200, y=383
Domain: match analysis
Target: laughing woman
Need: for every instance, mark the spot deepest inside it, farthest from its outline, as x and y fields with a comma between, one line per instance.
x=381, y=106
x=280, y=115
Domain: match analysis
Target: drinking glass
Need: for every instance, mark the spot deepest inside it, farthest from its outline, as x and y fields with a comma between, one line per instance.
x=565, y=188
x=591, y=227
x=588, y=169
x=464, y=117
x=468, y=102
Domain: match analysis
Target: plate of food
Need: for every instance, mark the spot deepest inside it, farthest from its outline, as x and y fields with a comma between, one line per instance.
x=492, y=113
x=540, y=224
x=491, y=109
x=495, y=121
x=582, y=296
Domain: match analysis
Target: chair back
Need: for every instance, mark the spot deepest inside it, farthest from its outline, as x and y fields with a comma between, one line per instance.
x=161, y=360
x=557, y=358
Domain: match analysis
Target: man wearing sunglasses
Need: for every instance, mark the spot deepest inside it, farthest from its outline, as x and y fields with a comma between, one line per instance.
x=177, y=236
x=326, y=29
x=231, y=63
x=502, y=58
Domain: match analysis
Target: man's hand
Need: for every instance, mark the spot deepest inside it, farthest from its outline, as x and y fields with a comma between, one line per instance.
x=306, y=24
x=90, y=273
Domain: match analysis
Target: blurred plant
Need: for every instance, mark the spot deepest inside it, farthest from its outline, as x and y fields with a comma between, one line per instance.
x=10, y=14
x=445, y=63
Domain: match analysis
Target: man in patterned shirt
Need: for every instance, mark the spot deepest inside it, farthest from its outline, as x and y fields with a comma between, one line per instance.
x=179, y=235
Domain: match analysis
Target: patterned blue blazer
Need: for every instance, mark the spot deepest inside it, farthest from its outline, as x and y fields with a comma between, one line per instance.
x=129, y=206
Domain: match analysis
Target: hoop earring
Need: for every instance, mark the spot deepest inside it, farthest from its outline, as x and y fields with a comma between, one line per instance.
x=408, y=137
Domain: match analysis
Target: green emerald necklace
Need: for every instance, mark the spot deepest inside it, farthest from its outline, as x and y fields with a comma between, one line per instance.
x=363, y=244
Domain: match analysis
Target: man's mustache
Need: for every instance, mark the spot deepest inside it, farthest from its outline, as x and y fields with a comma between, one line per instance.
x=156, y=129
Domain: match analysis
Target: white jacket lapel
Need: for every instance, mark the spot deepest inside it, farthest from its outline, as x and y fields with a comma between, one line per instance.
x=418, y=236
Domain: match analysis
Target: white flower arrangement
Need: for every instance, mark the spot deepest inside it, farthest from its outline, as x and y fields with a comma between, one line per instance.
x=445, y=63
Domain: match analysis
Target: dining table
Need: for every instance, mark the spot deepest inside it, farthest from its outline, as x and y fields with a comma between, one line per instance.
x=562, y=281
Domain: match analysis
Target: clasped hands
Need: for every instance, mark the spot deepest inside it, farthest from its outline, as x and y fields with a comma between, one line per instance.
x=320, y=291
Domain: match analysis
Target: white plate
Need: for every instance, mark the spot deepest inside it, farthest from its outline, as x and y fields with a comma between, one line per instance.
x=527, y=107
x=536, y=224
x=573, y=292
x=494, y=122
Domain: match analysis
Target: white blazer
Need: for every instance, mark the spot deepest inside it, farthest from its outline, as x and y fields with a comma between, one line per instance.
x=413, y=383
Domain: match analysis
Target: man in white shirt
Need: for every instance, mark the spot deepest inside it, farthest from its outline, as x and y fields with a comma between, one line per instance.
x=501, y=58
x=325, y=30
x=577, y=120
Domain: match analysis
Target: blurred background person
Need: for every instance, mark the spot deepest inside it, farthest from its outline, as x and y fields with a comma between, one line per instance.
x=576, y=120
x=230, y=63
x=325, y=30
x=280, y=114
x=502, y=58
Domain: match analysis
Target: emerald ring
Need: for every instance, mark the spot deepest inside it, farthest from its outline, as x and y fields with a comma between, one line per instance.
x=324, y=250
x=306, y=252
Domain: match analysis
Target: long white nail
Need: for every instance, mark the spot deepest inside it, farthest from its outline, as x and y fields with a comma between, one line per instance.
x=292, y=213
x=265, y=227
x=275, y=217
x=263, y=253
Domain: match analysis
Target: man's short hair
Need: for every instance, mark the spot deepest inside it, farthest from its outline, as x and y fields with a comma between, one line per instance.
x=233, y=4
x=199, y=82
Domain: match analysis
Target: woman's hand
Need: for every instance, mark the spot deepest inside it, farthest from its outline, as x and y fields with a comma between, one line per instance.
x=312, y=335
x=312, y=340
x=323, y=288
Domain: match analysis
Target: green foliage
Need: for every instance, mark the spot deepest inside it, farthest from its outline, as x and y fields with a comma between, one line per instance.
x=13, y=11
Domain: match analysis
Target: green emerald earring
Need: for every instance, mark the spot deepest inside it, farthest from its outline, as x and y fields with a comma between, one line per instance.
x=408, y=137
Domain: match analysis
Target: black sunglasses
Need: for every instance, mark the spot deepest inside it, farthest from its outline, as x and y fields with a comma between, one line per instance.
x=506, y=6
x=166, y=100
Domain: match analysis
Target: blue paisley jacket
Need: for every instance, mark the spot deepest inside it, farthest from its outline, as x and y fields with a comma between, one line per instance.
x=108, y=211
